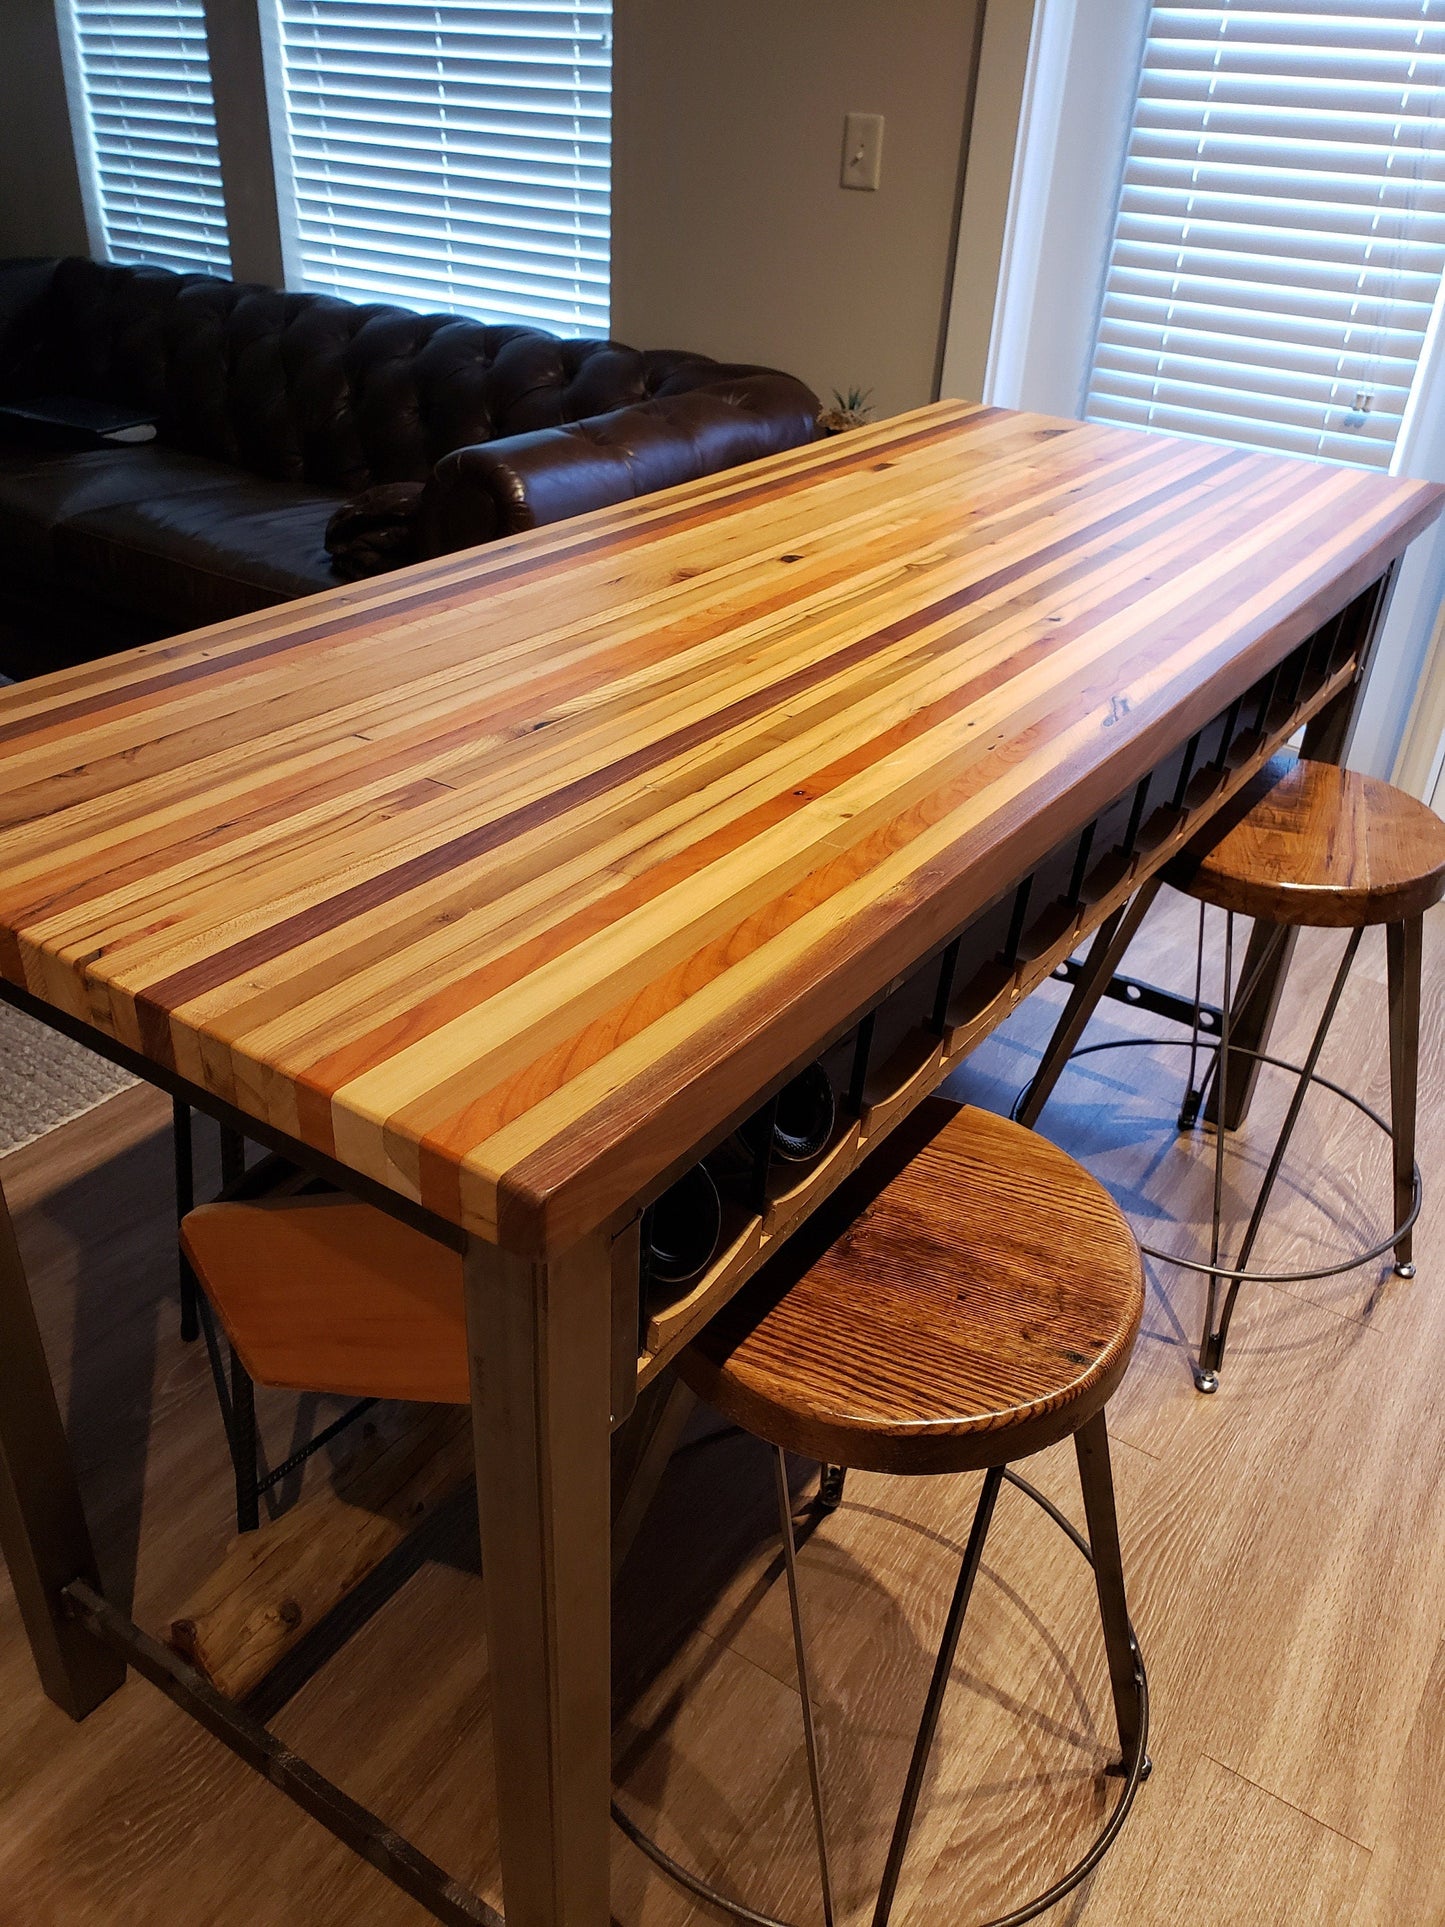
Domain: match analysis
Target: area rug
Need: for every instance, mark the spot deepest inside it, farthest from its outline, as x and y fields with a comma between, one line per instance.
x=46, y=1080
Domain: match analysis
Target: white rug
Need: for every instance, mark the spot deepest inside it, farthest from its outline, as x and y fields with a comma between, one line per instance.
x=45, y=1079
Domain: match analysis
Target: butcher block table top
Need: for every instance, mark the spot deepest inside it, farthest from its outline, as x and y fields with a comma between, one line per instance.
x=506, y=879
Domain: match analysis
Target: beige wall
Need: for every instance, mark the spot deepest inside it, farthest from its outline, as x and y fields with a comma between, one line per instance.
x=730, y=231
x=40, y=205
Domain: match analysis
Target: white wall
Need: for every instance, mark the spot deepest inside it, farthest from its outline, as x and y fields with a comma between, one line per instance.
x=984, y=216
x=732, y=233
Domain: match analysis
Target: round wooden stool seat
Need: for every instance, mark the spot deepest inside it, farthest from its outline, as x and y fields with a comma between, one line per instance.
x=971, y=1296
x=1310, y=843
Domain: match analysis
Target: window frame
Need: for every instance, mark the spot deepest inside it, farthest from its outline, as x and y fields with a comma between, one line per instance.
x=1068, y=158
x=251, y=136
x=1106, y=383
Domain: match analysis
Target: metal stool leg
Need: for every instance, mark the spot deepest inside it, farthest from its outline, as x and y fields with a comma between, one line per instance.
x=942, y=1668
x=1211, y=1353
x=1206, y=1371
x=1194, y=1092
x=805, y=1690
x=1403, y=944
x=185, y=1199
x=831, y=1480
x=1096, y=1480
x=1126, y=1672
x=243, y=1447
x=1113, y=938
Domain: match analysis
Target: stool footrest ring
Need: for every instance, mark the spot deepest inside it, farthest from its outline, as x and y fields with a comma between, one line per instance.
x=1134, y=1772
x=1218, y=1269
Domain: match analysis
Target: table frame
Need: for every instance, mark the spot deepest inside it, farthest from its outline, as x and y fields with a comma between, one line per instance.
x=553, y=1344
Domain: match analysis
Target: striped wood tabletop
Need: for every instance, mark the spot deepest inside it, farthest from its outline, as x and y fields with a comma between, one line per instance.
x=510, y=877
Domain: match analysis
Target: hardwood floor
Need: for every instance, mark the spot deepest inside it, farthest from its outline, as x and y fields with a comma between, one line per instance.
x=1285, y=1545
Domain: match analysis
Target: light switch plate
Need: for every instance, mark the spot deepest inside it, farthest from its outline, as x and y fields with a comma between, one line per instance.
x=862, y=150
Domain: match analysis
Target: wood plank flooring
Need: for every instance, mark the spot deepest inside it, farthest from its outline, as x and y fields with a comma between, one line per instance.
x=1285, y=1540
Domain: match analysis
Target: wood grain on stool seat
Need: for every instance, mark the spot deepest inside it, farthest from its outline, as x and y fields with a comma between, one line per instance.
x=971, y=1296
x=1310, y=843
x=322, y=1294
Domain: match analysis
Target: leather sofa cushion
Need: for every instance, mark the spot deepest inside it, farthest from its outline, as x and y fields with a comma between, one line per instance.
x=38, y=493
x=202, y=556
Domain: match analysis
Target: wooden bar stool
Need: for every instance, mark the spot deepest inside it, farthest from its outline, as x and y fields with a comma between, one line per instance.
x=313, y=1291
x=968, y=1298
x=1305, y=844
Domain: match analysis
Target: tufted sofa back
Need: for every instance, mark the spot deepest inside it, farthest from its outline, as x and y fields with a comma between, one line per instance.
x=307, y=388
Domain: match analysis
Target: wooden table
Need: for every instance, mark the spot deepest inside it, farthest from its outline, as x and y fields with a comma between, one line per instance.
x=502, y=888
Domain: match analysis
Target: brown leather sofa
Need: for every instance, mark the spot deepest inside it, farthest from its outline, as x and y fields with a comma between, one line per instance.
x=282, y=416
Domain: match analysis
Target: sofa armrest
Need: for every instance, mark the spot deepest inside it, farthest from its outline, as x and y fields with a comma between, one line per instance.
x=527, y=481
x=23, y=287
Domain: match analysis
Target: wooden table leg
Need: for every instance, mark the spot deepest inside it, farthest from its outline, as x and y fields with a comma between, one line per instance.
x=539, y=1335
x=43, y=1533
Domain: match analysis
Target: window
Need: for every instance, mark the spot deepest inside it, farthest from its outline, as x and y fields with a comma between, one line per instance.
x=447, y=154
x=140, y=80
x=1280, y=235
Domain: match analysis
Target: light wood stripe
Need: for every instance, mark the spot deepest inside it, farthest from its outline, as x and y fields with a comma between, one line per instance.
x=508, y=878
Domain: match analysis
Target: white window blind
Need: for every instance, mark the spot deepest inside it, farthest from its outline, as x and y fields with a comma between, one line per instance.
x=1280, y=236
x=140, y=80
x=453, y=155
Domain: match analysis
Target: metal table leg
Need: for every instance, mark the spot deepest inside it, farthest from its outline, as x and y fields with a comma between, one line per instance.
x=1106, y=953
x=183, y=1148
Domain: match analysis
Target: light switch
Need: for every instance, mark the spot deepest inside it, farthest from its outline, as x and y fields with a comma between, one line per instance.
x=862, y=149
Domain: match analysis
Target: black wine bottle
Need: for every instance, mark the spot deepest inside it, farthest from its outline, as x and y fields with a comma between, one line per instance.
x=680, y=1232
x=802, y=1121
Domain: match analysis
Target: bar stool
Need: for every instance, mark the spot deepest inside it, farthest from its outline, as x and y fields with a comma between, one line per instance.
x=316, y=1292
x=1304, y=844
x=970, y=1297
